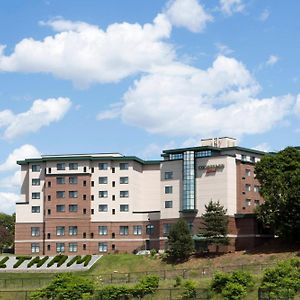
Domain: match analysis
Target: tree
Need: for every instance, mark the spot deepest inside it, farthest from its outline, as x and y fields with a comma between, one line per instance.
x=215, y=224
x=279, y=177
x=180, y=242
x=7, y=230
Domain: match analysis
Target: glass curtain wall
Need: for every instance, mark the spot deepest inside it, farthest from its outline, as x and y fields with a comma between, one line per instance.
x=188, y=181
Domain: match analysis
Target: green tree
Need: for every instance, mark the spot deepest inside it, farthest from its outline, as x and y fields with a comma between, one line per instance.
x=215, y=224
x=279, y=177
x=180, y=242
x=7, y=230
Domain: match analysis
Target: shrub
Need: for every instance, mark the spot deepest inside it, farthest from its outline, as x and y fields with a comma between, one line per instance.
x=234, y=291
x=79, y=260
x=243, y=278
x=147, y=285
x=20, y=260
x=58, y=259
x=38, y=261
x=189, y=290
x=178, y=281
x=153, y=252
x=3, y=261
x=219, y=281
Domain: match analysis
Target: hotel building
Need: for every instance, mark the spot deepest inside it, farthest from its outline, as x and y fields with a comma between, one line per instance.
x=105, y=203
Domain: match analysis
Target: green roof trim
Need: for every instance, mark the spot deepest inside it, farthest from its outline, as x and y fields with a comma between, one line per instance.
x=87, y=157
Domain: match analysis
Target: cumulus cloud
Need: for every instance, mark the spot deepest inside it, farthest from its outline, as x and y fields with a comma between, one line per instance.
x=272, y=60
x=264, y=16
x=189, y=14
x=11, y=182
x=185, y=101
x=297, y=105
x=41, y=113
x=7, y=202
x=263, y=147
x=25, y=151
x=101, y=56
x=223, y=49
x=229, y=7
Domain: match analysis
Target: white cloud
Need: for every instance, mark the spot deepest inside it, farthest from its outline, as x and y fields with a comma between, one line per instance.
x=41, y=113
x=101, y=56
x=7, y=202
x=223, y=49
x=185, y=101
x=263, y=147
x=11, y=182
x=189, y=14
x=25, y=151
x=229, y=7
x=297, y=105
x=264, y=15
x=112, y=113
x=272, y=60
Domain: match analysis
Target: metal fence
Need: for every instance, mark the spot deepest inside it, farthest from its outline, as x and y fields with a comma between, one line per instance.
x=268, y=294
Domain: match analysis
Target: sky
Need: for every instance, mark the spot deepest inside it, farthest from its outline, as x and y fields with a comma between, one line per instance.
x=140, y=76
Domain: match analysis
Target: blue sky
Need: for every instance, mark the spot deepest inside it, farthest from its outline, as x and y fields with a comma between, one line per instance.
x=137, y=77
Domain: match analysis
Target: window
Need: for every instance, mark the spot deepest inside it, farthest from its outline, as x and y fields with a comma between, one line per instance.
x=49, y=170
x=124, y=207
x=84, y=246
x=84, y=197
x=102, y=230
x=124, y=194
x=73, y=194
x=103, y=247
x=168, y=175
x=137, y=229
x=150, y=229
x=84, y=182
x=72, y=247
x=103, y=166
x=73, y=208
x=60, y=208
x=124, y=180
x=60, y=166
x=92, y=170
x=256, y=189
x=84, y=169
x=123, y=166
x=73, y=230
x=48, y=247
x=60, y=230
x=204, y=153
x=60, y=194
x=35, y=181
x=73, y=180
x=35, y=168
x=168, y=189
x=48, y=236
x=60, y=180
x=123, y=230
x=49, y=211
x=92, y=197
x=168, y=204
x=84, y=211
x=103, y=207
x=113, y=211
x=113, y=246
x=35, y=247
x=248, y=187
x=102, y=180
x=113, y=170
x=252, y=159
x=166, y=229
x=103, y=194
x=92, y=211
x=248, y=202
x=113, y=183
x=60, y=247
x=176, y=156
x=49, y=183
x=248, y=172
x=256, y=202
x=35, y=231
x=73, y=166
x=49, y=197
x=35, y=209
x=92, y=183
x=244, y=157
x=113, y=198
x=35, y=195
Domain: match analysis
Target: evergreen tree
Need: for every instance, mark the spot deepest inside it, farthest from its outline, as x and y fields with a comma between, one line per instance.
x=215, y=222
x=180, y=242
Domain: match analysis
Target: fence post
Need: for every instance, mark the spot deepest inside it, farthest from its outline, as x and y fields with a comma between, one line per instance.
x=111, y=278
x=170, y=293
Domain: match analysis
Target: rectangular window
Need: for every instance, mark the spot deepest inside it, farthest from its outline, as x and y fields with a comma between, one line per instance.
x=35, y=181
x=102, y=180
x=248, y=172
x=248, y=202
x=35, y=248
x=102, y=230
x=124, y=166
x=73, y=207
x=35, y=209
x=124, y=194
x=252, y=159
x=60, y=247
x=103, y=247
x=124, y=180
x=168, y=204
x=35, y=231
x=103, y=194
x=72, y=247
x=166, y=229
x=124, y=207
x=150, y=229
x=123, y=230
x=244, y=157
x=168, y=175
x=137, y=229
x=35, y=195
x=60, y=180
x=103, y=166
x=60, y=208
x=73, y=180
x=73, y=194
x=73, y=166
x=61, y=166
x=60, y=194
x=103, y=208
x=256, y=189
x=73, y=230
x=248, y=187
x=256, y=202
x=60, y=230
x=49, y=183
x=35, y=168
x=168, y=189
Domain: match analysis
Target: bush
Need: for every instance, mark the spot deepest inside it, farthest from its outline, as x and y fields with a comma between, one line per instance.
x=219, y=281
x=3, y=261
x=189, y=290
x=243, y=278
x=20, y=260
x=178, y=281
x=234, y=291
x=147, y=285
x=38, y=261
x=58, y=259
x=79, y=260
